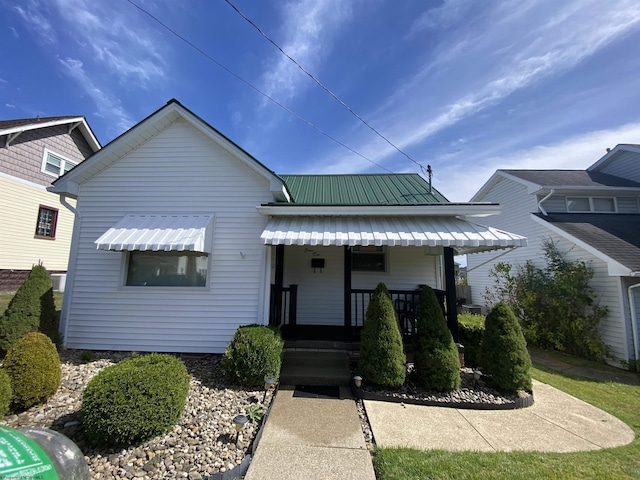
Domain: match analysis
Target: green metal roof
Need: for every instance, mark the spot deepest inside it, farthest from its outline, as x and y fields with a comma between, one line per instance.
x=371, y=189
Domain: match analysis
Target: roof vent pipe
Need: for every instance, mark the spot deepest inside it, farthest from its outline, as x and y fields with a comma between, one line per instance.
x=542, y=210
x=430, y=174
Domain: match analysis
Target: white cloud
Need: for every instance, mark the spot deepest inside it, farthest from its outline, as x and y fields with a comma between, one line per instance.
x=308, y=27
x=36, y=20
x=14, y=32
x=9, y=105
x=578, y=152
x=443, y=16
x=107, y=106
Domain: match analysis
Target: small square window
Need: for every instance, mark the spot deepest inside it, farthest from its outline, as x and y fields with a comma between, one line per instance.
x=604, y=204
x=368, y=259
x=578, y=204
x=47, y=221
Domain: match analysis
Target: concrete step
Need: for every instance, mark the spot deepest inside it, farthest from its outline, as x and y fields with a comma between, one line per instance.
x=315, y=368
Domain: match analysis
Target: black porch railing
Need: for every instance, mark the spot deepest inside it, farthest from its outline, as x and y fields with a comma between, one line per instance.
x=405, y=303
x=283, y=308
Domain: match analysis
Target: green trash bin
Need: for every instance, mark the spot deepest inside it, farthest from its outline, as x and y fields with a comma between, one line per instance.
x=40, y=453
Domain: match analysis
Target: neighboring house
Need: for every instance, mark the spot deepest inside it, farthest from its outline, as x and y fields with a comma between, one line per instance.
x=182, y=236
x=35, y=227
x=593, y=215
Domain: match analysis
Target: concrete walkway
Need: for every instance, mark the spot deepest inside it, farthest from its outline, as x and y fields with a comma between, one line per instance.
x=557, y=422
x=312, y=438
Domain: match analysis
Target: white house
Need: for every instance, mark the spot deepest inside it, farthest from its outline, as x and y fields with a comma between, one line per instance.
x=181, y=236
x=592, y=214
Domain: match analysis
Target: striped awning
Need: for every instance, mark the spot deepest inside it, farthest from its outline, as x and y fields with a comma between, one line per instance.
x=159, y=233
x=463, y=236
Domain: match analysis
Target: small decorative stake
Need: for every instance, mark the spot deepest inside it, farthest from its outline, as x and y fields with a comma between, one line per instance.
x=268, y=385
x=358, y=381
x=476, y=376
x=239, y=421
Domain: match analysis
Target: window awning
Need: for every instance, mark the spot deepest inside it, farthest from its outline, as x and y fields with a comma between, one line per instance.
x=463, y=236
x=159, y=233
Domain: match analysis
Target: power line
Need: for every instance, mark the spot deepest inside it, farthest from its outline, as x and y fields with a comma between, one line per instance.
x=320, y=84
x=249, y=84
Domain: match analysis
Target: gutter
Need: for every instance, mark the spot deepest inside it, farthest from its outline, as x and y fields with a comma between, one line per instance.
x=634, y=320
x=542, y=210
x=71, y=268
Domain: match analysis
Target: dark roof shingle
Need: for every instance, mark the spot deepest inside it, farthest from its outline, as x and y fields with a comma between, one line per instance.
x=577, y=178
x=615, y=235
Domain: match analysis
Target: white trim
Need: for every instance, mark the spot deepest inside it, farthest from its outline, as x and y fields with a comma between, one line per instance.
x=79, y=121
x=615, y=268
x=493, y=180
x=45, y=157
x=447, y=210
x=266, y=287
x=23, y=181
x=611, y=153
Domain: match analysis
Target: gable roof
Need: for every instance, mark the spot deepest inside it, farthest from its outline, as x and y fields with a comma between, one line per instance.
x=613, y=153
x=613, y=238
x=13, y=128
x=147, y=128
x=370, y=189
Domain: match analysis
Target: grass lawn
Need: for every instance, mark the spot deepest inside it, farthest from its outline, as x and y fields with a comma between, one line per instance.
x=620, y=400
x=5, y=298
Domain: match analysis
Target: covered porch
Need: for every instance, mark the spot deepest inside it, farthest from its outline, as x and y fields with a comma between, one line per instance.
x=324, y=269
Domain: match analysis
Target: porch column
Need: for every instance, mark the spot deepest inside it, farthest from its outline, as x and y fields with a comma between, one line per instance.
x=347, y=293
x=279, y=279
x=450, y=287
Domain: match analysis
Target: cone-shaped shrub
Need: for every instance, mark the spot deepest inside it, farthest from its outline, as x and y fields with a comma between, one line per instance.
x=33, y=366
x=382, y=358
x=254, y=352
x=33, y=305
x=435, y=356
x=503, y=353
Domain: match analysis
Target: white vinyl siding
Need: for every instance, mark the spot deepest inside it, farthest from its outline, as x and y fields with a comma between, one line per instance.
x=625, y=165
x=554, y=204
x=181, y=171
x=20, y=249
x=627, y=204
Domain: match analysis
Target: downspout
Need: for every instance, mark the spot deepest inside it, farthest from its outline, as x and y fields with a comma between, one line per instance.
x=71, y=268
x=542, y=210
x=634, y=320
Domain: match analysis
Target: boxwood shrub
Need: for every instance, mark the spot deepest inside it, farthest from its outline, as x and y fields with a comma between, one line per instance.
x=5, y=392
x=33, y=365
x=382, y=357
x=254, y=352
x=134, y=400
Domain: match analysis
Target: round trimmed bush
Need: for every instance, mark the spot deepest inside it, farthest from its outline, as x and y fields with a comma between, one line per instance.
x=254, y=352
x=5, y=392
x=33, y=365
x=435, y=355
x=134, y=400
x=382, y=357
x=32, y=308
x=504, y=354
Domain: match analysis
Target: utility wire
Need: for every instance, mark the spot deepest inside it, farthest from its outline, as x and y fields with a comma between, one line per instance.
x=250, y=85
x=320, y=84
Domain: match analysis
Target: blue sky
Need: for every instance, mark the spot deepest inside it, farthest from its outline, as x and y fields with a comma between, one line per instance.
x=468, y=86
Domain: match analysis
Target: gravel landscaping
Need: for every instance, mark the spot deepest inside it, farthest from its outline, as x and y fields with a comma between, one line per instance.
x=201, y=444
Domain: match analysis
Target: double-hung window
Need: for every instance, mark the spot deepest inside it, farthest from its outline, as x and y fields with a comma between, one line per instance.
x=55, y=164
x=47, y=222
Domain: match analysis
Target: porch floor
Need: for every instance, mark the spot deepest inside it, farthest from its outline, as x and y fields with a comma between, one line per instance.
x=315, y=367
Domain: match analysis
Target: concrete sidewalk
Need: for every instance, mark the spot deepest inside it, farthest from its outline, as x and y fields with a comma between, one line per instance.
x=557, y=422
x=312, y=438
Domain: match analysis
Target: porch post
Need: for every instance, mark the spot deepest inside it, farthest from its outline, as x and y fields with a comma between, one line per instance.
x=279, y=279
x=347, y=293
x=450, y=287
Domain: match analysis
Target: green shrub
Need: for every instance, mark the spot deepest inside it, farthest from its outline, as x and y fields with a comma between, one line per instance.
x=86, y=356
x=504, y=352
x=435, y=355
x=470, y=329
x=5, y=392
x=254, y=352
x=33, y=365
x=382, y=358
x=134, y=400
x=32, y=308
